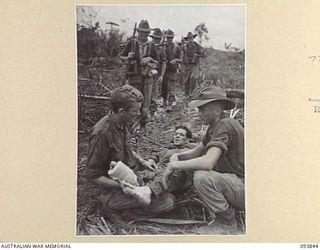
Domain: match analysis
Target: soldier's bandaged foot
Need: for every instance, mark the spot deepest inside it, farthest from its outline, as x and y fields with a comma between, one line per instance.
x=142, y=194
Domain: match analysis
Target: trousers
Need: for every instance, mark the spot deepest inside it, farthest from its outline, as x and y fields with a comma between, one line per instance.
x=145, y=85
x=177, y=182
x=219, y=190
x=118, y=201
x=168, y=87
x=188, y=79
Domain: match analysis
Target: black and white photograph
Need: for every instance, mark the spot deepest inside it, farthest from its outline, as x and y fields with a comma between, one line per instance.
x=161, y=119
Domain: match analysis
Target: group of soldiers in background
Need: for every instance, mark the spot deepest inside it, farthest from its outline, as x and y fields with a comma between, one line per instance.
x=152, y=66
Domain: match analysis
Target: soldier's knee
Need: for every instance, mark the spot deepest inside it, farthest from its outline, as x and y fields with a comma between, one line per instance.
x=164, y=203
x=203, y=179
x=200, y=178
x=170, y=201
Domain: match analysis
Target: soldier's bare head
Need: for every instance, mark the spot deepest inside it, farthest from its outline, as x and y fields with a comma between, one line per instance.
x=125, y=97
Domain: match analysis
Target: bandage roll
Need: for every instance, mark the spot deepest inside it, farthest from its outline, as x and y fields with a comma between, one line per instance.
x=122, y=172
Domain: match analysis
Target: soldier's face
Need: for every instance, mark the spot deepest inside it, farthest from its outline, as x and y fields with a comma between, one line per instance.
x=156, y=40
x=180, y=137
x=169, y=39
x=132, y=113
x=143, y=34
x=210, y=112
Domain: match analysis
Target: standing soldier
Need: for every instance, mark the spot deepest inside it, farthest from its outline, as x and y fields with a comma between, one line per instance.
x=173, y=56
x=191, y=53
x=156, y=39
x=142, y=59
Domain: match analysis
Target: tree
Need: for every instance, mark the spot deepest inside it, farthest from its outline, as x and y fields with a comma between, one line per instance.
x=201, y=30
x=86, y=15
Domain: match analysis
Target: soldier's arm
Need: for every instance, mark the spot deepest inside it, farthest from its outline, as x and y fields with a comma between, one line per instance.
x=163, y=69
x=189, y=154
x=144, y=163
x=205, y=162
x=98, y=157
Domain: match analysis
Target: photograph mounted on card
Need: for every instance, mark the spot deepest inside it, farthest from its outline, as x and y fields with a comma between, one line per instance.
x=161, y=119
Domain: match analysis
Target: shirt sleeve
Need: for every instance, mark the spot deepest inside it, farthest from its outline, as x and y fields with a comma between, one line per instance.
x=98, y=156
x=219, y=137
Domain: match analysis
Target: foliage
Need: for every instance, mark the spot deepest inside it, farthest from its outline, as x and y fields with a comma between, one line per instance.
x=87, y=15
x=201, y=30
x=224, y=69
x=94, y=42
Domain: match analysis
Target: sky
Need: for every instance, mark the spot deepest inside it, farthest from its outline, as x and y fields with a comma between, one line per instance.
x=225, y=23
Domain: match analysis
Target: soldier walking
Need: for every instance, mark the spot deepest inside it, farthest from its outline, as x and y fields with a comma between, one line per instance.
x=191, y=53
x=157, y=36
x=170, y=78
x=142, y=60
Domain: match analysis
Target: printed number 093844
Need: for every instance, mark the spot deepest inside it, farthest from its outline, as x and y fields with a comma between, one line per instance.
x=308, y=245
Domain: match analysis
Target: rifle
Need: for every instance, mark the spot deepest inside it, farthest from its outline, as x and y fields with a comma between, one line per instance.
x=133, y=45
x=132, y=64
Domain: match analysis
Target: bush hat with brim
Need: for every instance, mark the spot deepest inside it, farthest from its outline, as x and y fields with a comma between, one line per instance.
x=157, y=33
x=169, y=33
x=144, y=26
x=212, y=94
x=190, y=34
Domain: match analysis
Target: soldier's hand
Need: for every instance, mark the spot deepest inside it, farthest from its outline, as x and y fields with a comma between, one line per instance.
x=125, y=186
x=160, y=79
x=145, y=60
x=131, y=55
x=150, y=164
x=113, y=164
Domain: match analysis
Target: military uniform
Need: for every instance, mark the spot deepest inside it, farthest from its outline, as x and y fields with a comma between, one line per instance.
x=191, y=52
x=138, y=75
x=222, y=188
x=110, y=142
x=157, y=36
x=170, y=78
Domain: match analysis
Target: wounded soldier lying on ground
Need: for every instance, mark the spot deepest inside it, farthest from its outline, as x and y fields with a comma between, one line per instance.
x=126, y=177
x=180, y=143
